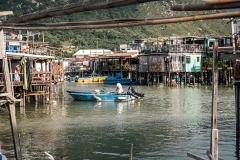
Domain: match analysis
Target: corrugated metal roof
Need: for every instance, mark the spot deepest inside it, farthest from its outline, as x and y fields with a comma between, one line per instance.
x=30, y=56
x=91, y=52
x=120, y=55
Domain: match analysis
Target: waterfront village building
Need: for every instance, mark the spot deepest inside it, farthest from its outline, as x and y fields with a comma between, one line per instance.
x=36, y=80
x=81, y=60
x=158, y=60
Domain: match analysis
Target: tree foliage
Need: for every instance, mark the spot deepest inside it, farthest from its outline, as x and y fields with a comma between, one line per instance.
x=112, y=38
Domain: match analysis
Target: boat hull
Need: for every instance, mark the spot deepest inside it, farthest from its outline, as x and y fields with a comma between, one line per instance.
x=91, y=80
x=101, y=97
x=115, y=81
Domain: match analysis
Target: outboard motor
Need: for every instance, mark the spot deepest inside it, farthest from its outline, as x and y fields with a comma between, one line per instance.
x=134, y=93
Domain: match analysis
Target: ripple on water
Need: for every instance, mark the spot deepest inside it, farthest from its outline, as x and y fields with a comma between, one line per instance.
x=167, y=124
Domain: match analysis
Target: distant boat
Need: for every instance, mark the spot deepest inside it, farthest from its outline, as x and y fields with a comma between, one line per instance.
x=93, y=79
x=117, y=79
x=100, y=96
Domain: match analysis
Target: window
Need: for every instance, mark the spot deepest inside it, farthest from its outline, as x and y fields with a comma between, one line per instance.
x=197, y=59
x=188, y=59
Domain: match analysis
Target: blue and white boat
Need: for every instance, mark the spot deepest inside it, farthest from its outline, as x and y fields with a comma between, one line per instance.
x=100, y=96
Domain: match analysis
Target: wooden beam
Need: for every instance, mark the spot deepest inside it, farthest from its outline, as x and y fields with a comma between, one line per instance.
x=115, y=23
x=6, y=13
x=86, y=5
x=194, y=156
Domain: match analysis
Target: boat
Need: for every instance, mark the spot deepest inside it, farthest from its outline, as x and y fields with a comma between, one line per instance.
x=97, y=79
x=103, y=95
x=100, y=96
x=115, y=80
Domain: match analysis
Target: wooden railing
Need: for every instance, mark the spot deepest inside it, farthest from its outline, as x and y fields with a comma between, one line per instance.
x=117, y=67
x=37, y=78
x=186, y=48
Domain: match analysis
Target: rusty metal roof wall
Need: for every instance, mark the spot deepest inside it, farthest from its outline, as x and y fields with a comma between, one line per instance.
x=119, y=55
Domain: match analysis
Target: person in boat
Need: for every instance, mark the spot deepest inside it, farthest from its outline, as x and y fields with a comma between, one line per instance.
x=119, y=88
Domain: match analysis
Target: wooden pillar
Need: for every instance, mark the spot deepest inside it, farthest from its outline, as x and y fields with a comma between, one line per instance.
x=194, y=78
x=24, y=98
x=236, y=81
x=130, y=75
x=50, y=83
x=185, y=80
x=180, y=79
x=237, y=112
x=121, y=62
x=165, y=79
x=214, y=130
x=169, y=79
x=11, y=106
x=147, y=78
x=154, y=78
x=237, y=108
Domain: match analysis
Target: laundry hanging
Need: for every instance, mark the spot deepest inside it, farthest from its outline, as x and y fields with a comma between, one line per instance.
x=23, y=64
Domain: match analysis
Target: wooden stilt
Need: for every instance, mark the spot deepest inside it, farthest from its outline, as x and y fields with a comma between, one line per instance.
x=180, y=77
x=194, y=79
x=131, y=152
x=237, y=108
x=185, y=80
x=169, y=78
x=24, y=98
x=164, y=79
x=214, y=130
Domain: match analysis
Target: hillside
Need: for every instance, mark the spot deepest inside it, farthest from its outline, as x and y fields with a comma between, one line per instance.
x=111, y=38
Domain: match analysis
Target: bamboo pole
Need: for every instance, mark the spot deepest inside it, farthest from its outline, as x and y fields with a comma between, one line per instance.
x=200, y=7
x=86, y=5
x=117, y=23
x=220, y=1
x=11, y=106
x=214, y=130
